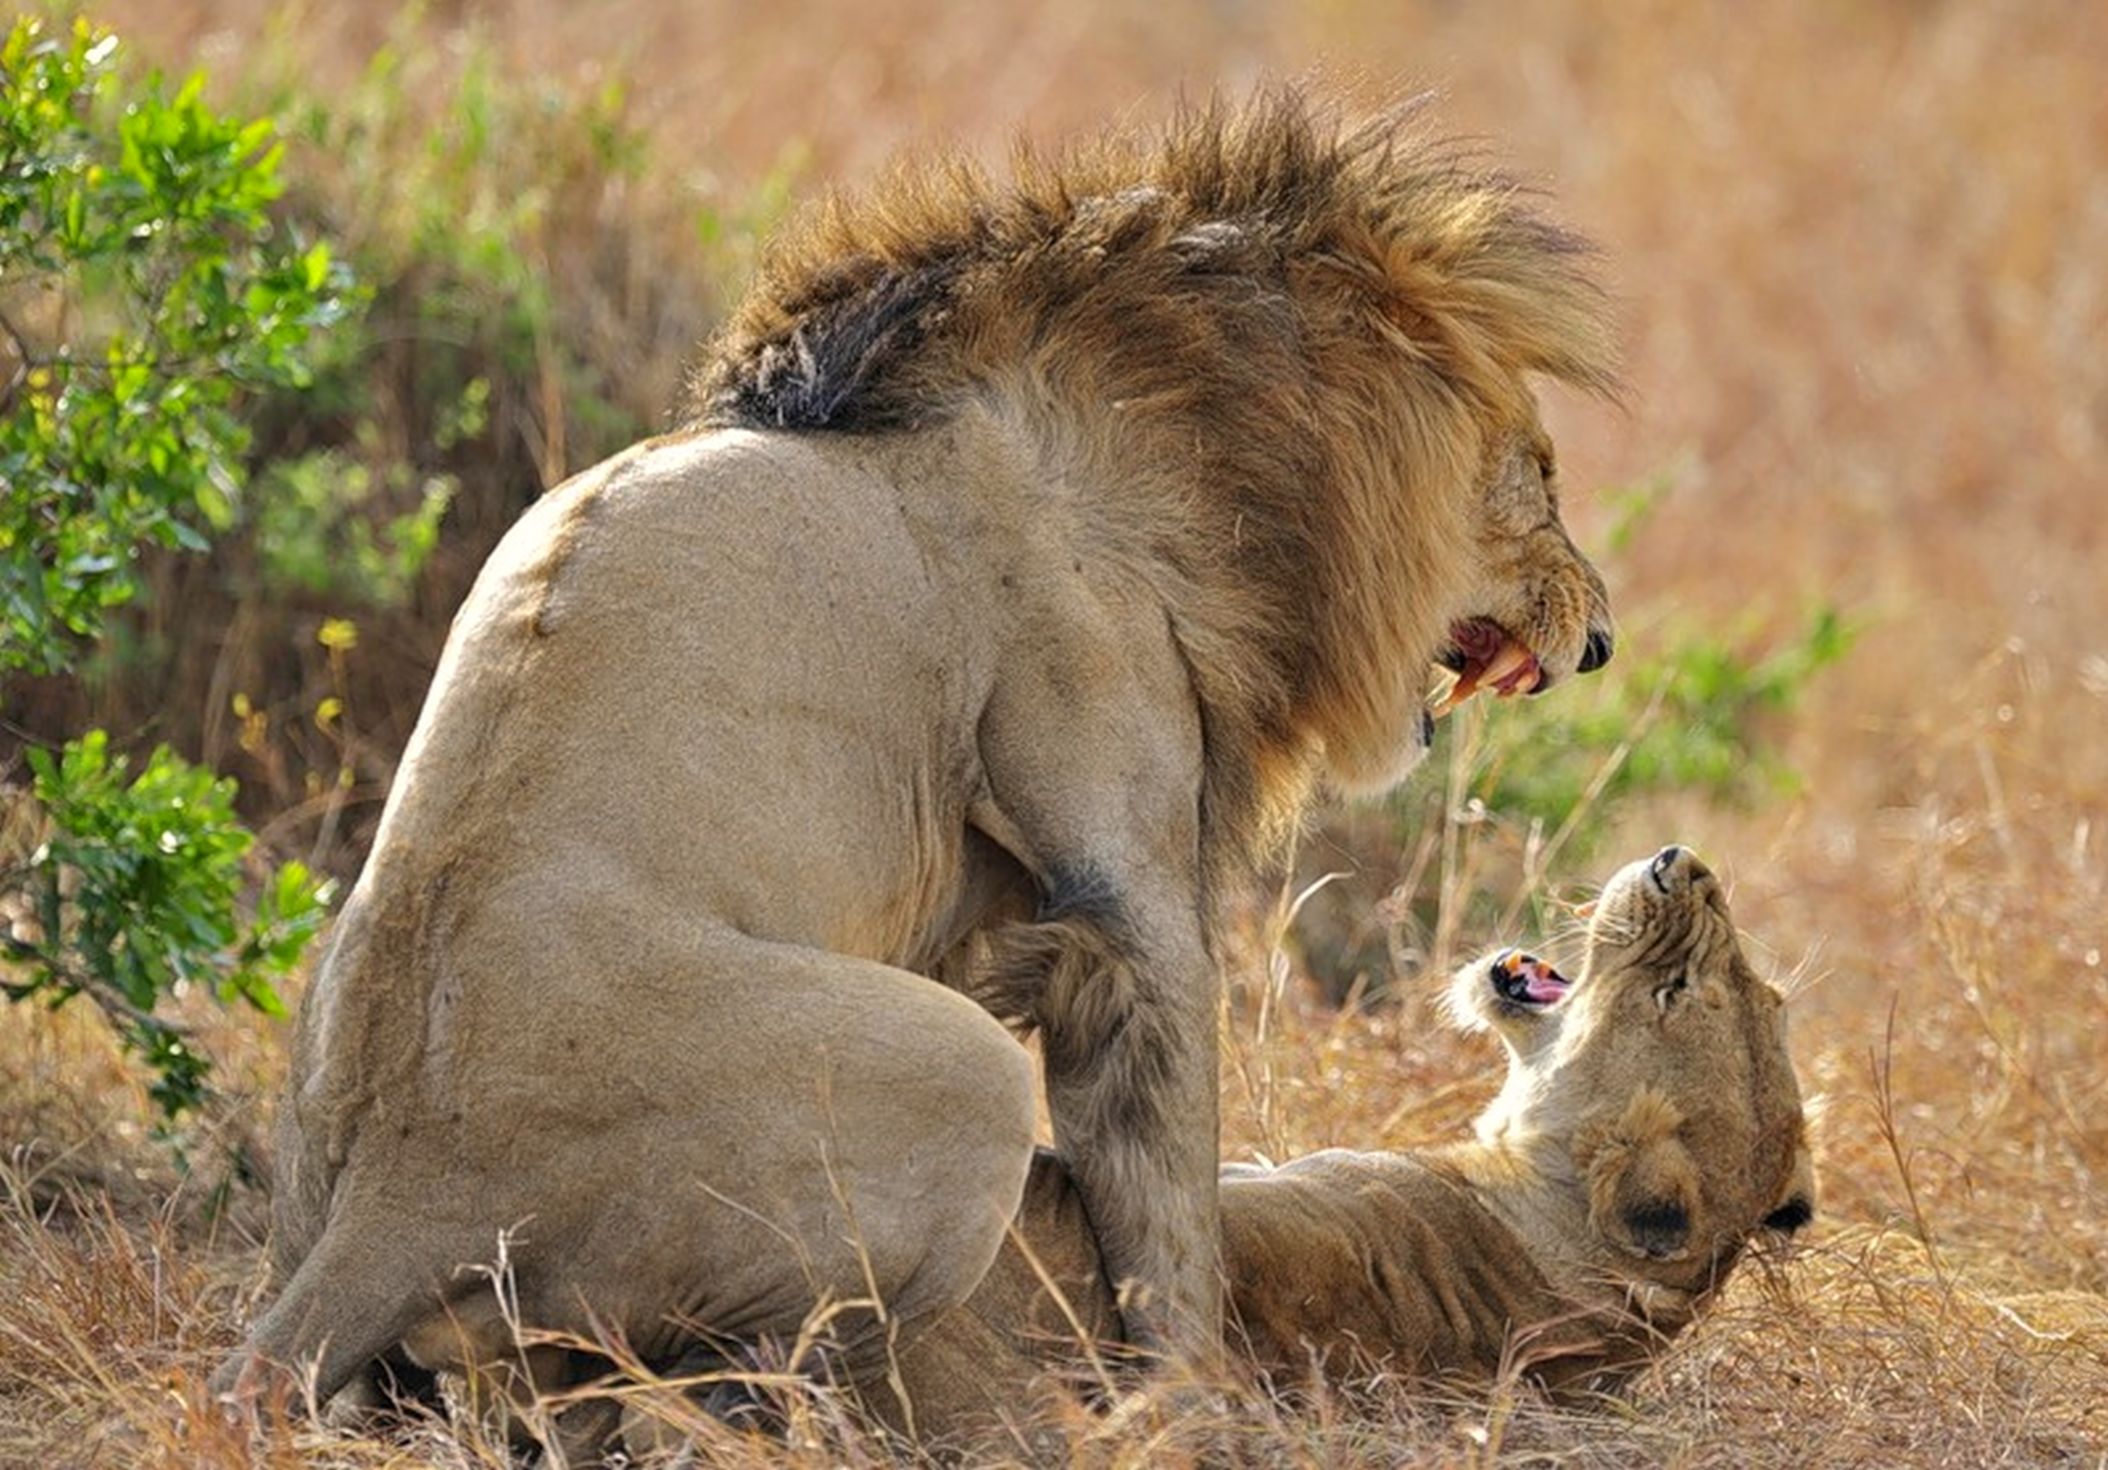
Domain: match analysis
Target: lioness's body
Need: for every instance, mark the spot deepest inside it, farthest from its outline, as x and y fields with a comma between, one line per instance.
x=1650, y=1125
x=1037, y=553
x=1343, y=1261
x=1346, y=1261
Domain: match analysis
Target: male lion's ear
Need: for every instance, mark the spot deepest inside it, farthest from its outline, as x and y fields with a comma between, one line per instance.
x=1642, y=1181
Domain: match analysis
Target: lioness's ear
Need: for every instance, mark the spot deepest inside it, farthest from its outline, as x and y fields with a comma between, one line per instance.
x=1790, y=1216
x=1642, y=1182
x=1796, y=1206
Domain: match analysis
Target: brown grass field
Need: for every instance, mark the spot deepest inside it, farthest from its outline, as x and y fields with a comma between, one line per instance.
x=1861, y=251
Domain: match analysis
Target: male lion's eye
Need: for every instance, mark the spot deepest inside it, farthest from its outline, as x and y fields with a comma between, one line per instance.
x=1665, y=995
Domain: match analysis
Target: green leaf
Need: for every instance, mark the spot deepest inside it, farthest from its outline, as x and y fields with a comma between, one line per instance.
x=139, y=886
x=177, y=294
x=187, y=538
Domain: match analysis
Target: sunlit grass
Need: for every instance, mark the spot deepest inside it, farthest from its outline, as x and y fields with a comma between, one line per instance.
x=1863, y=255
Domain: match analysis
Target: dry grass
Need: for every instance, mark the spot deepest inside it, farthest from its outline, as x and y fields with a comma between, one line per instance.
x=1864, y=251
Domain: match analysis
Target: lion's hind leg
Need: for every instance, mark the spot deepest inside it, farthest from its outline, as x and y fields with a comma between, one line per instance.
x=368, y=1281
x=832, y=1154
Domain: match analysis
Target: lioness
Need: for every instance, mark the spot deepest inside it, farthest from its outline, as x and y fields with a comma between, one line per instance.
x=1649, y=1126
x=1036, y=552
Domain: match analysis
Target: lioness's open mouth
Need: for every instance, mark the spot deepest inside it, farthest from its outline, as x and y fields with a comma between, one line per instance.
x=1525, y=980
x=1484, y=655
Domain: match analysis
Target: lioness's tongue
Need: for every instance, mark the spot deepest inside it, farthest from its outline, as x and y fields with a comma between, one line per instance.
x=1543, y=984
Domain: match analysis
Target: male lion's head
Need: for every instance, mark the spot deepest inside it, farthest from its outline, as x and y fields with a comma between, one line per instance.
x=1659, y=1079
x=1524, y=608
x=1535, y=608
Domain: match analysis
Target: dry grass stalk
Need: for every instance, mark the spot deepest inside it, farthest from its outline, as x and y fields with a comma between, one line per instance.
x=1866, y=256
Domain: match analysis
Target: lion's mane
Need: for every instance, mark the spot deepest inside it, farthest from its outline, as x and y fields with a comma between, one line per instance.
x=1256, y=341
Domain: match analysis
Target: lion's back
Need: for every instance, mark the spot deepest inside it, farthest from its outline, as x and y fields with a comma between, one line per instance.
x=731, y=634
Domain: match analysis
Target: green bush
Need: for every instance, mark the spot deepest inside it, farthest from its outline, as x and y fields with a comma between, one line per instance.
x=134, y=894
x=316, y=529
x=522, y=322
x=1687, y=717
x=145, y=292
x=145, y=295
x=536, y=279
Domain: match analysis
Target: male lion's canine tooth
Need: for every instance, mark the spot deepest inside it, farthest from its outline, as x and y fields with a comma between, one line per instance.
x=1459, y=690
x=1511, y=657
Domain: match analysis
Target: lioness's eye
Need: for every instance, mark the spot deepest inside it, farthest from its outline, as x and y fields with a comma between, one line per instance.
x=1665, y=994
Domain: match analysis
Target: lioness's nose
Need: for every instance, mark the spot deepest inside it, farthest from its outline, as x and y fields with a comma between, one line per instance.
x=1597, y=651
x=1666, y=859
x=1675, y=861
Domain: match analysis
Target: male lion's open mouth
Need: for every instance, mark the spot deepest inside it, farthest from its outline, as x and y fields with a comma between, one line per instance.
x=1525, y=980
x=1484, y=655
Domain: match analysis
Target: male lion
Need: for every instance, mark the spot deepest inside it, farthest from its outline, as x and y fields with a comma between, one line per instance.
x=1037, y=548
x=1650, y=1125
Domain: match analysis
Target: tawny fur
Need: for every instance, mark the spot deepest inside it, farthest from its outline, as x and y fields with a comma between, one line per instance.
x=1566, y=1244
x=1264, y=341
x=1037, y=550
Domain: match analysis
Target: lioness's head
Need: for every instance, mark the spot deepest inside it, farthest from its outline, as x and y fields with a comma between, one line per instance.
x=1658, y=1082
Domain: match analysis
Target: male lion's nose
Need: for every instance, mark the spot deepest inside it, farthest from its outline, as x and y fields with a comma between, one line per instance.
x=1598, y=650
